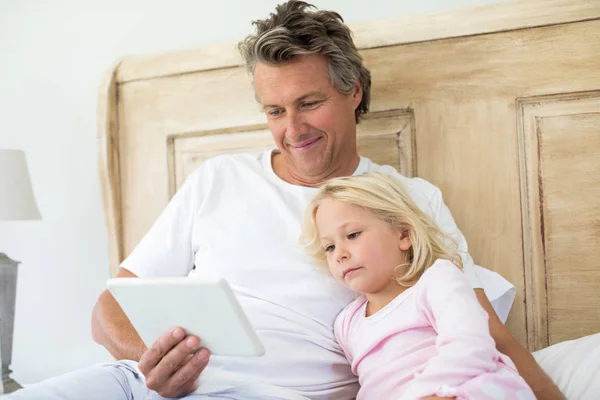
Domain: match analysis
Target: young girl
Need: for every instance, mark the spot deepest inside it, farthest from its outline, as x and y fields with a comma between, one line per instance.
x=417, y=330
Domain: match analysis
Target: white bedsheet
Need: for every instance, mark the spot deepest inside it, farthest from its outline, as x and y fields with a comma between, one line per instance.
x=575, y=366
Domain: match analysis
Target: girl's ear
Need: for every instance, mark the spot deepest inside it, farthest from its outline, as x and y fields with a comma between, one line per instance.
x=404, y=242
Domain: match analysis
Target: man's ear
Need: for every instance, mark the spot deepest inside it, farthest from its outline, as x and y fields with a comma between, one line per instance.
x=357, y=93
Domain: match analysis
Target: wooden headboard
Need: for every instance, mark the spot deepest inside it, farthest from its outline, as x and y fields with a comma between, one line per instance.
x=498, y=105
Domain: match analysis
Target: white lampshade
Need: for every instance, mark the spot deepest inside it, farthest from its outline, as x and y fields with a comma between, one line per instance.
x=16, y=195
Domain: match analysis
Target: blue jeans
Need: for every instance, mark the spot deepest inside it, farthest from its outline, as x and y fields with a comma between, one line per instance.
x=121, y=381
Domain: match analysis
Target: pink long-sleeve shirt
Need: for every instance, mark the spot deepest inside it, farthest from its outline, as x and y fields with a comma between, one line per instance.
x=432, y=337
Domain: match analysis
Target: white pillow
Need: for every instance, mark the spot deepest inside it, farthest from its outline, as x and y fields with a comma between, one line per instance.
x=574, y=366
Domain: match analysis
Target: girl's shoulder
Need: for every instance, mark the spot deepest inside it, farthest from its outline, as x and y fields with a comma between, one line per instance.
x=350, y=312
x=441, y=269
x=442, y=274
x=354, y=306
x=439, y=281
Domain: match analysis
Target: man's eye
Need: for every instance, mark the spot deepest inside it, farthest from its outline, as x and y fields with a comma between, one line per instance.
x=353, y=235
x=329, y=248
x=275, y=113
x=311, y=104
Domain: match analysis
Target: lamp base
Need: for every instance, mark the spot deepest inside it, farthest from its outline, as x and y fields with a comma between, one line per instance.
x=8, y=288
x=10, y=385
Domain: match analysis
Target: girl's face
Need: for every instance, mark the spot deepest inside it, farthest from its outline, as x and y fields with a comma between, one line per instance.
x=362, y=250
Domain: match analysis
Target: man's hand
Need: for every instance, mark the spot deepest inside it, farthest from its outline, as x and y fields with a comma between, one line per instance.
x=172, y=365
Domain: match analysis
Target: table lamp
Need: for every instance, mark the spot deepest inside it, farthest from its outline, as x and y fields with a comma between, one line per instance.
x=17, y=202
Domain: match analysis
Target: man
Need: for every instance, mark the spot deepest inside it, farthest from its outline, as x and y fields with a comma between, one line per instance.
x=239, y=216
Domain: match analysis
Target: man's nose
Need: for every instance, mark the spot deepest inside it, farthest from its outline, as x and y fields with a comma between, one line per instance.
x=295, y=127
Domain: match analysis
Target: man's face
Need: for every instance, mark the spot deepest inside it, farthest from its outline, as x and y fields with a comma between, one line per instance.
x=312, y=123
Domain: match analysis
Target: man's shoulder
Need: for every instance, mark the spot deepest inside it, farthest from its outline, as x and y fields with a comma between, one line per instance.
x=416, y=186
x=234, y=160
x=224, y=163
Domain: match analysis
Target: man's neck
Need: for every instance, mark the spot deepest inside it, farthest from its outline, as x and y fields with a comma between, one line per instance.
x=293, y=177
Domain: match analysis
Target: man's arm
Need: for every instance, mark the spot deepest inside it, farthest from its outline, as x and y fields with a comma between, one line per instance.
x=112, y=329
x=165, y=250
x=171, y=365
x=541, y=384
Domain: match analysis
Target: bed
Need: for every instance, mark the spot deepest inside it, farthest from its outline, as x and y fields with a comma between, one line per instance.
x=498, y=105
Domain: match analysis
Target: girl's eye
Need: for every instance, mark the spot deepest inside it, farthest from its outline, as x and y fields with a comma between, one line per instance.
x=353, y=235
x=329, y=248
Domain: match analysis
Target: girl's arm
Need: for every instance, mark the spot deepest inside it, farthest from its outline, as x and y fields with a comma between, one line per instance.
x=541, y=384
x=465, y=346
x=543, y=387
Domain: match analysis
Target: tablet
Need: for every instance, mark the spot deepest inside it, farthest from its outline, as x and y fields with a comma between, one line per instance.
x=204, y=306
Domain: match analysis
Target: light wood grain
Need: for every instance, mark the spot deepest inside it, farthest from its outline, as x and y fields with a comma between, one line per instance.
x=495, y=17
x=108, y=166
x=559, y=149
x=571, y=181
x=463, y=92
x=461, y=110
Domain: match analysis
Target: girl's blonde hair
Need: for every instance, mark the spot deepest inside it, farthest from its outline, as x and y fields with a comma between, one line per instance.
x=389, y=200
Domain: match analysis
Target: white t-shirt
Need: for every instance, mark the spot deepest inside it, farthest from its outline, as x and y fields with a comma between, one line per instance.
x=236, y=218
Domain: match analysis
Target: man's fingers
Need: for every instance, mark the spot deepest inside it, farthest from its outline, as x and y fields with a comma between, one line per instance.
x=159, y=349
x=185, y=380
x=171, y=363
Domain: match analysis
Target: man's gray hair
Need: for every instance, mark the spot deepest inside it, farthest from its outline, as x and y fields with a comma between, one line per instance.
x=293, y=30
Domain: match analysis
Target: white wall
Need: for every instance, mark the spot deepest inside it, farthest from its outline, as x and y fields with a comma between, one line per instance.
x=52, y=57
